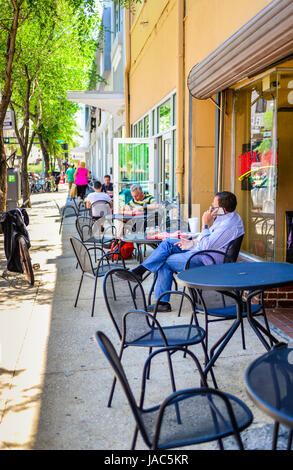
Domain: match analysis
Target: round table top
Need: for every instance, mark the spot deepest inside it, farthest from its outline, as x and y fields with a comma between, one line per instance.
x=123, y=217
x=139, y=238
x=269, y=382
x=238, y=276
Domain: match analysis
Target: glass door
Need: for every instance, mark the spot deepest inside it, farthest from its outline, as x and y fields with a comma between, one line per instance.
x=165, y=167
x=133, y=163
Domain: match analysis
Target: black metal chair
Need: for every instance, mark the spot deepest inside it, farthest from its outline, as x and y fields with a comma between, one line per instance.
x=100, y=209
x=186, y=417
x=84, y=260
x=80, y=207
x=126, y=304
x=65, y=212
x=226, y=312
x=230, y=255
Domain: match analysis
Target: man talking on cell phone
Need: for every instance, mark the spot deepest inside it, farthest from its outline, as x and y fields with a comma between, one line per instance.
x=221, y=224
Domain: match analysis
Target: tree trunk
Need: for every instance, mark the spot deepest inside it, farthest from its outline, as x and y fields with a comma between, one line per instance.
x=25, y=182
x=5, y=99
x=3, y=175
x=45, y=153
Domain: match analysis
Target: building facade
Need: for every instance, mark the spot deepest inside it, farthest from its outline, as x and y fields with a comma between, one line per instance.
x=217, y=88
x=104, y=102
x=205, y=99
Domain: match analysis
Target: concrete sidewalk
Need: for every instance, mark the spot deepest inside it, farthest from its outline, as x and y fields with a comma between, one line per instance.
x=55, y=380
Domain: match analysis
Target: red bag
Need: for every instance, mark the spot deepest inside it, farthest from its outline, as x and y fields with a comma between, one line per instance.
x=126, y=249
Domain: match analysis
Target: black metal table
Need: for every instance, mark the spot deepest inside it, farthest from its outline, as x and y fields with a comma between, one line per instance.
x=269, y=382
x=140, y=239
x=233, y=279
x=124, y=217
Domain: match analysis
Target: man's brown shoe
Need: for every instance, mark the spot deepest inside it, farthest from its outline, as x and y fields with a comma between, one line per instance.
x=162, y=307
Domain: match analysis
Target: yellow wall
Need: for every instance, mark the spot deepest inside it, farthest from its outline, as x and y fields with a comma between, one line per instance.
x=211, y=22
x=154, y=71
x=153, y=56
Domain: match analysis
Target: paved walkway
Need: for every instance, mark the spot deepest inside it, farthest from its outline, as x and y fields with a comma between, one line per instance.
x=55, y=380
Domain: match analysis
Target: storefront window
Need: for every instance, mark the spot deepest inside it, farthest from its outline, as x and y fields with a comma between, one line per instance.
x=263, y=123
x=146, y=126
x=164, y=116
x=256, y=164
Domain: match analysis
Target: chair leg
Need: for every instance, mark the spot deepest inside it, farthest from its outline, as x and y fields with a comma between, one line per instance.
x=275, y=435
x=152, y=288
x=78, y=290
x=221, y=446
x=267, y=326
x=290, y=438
x=94, y=298
x=134, y=439
x=173, y=385
x=61, y=223
x=242, y=334
x=149, y=365
x=114, y=381
x=206, y=362
x=181, y=302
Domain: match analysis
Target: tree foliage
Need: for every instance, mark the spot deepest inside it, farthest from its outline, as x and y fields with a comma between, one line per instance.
x=54, y=50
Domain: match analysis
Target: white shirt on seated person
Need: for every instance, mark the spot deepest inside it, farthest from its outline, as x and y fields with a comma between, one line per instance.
x=97, y=196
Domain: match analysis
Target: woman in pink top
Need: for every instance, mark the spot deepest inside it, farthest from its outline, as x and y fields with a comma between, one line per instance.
x=81, y=180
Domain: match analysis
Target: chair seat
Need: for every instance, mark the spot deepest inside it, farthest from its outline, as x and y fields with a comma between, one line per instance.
x=230, y=312
x=175, y=335
x=92, y=240
x=106, y=242
x=204, y=417
x=103, y=269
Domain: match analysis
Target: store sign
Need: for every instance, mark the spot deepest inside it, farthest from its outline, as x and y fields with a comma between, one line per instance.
x=8, y=120
x=248, y=159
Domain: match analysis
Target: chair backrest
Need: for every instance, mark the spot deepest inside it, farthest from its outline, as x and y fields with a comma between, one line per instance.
x=83, y=226
x=111, y=355
x=82, y=255
x=177, y=224
x=58, y=207
x=122, y=295
x=100, y=209
x=232, y=250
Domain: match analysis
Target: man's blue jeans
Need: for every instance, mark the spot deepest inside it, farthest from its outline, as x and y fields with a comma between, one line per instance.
x=166, y=259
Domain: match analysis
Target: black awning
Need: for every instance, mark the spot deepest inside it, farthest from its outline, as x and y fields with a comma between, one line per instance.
x=263, y=41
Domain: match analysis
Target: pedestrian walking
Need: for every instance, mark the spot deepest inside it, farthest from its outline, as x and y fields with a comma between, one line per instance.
x=70, y=176
x=81, y=177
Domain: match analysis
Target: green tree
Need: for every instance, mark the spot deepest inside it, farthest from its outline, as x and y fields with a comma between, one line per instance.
x=18, y=20
x=56, y=54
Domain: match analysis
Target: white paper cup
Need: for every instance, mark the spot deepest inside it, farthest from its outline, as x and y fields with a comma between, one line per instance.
x=193, y=224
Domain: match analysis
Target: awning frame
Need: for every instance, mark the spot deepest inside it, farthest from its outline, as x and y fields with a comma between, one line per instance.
x=261, y=43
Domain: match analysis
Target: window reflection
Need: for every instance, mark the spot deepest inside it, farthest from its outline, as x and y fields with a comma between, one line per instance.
x=256, y=164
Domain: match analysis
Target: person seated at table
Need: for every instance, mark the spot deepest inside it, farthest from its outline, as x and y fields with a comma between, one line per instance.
x=97, y=195
x=139, y=199
x=221, y=224
x=107, y=186
x=125, y=195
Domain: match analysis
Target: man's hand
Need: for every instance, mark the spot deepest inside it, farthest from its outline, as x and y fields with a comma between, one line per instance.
x=209, y=216
x=185, y=244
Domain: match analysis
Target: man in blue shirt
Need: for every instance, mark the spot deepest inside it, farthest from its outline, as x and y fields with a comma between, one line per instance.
x=220, y=225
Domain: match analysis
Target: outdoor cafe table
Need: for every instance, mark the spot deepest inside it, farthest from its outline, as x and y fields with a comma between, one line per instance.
x=140, y=239
x=269, y=383
x=233, y=279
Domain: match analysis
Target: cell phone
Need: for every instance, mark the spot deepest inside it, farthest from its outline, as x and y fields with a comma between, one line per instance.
x=220, y=211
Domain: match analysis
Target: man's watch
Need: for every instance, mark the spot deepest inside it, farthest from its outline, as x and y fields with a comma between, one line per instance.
x=205, y=226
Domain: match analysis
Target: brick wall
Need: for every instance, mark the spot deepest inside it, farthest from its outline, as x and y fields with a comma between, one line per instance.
x=282, y=297
x=279, y=298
